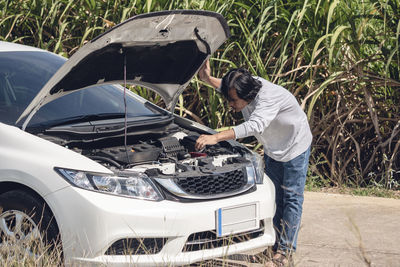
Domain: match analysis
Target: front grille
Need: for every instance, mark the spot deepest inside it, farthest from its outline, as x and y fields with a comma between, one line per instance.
x=213, y=184
x=136, y=246
x=209, y=240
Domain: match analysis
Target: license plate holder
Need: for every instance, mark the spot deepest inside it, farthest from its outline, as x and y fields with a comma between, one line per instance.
x=237, y=219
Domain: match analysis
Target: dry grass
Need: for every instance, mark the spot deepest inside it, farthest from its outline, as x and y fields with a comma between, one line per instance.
x=15, y=253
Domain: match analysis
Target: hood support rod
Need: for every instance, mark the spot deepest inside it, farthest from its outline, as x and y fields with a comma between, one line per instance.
x=126, y=114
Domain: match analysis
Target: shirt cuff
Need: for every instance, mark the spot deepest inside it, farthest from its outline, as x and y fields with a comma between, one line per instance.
x=240, y=131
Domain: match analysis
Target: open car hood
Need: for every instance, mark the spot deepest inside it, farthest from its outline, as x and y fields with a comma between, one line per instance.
x=161, y=51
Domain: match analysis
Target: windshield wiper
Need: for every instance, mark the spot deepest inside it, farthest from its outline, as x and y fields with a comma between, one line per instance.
x=83, y=118
x=87, y=118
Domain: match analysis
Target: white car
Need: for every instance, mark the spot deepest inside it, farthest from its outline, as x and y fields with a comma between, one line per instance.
x=120, y=184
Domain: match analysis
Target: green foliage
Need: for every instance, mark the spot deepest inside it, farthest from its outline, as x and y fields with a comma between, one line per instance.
x=339, y=58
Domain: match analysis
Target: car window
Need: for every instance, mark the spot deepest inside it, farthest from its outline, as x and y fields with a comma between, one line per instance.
x=24, y=73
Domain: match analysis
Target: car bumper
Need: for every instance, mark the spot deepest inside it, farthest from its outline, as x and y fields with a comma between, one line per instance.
x=91, y=222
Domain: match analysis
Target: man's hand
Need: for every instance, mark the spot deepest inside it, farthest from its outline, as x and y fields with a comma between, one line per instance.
x=205, y=75
x=205, y=72
x=204, y=140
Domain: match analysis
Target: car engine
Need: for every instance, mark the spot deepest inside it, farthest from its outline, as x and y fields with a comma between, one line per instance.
x=168, y=156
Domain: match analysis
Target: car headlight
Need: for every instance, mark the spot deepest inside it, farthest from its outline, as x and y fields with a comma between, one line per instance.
x=258, y=165
x=136, y=186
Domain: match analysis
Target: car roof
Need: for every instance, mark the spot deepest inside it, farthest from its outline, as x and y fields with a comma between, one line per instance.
x=13, y=47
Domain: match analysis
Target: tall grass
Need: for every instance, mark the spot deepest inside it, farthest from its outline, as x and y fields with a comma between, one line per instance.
x=339, y=58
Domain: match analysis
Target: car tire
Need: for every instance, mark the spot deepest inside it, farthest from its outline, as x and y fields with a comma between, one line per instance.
x=36, y=220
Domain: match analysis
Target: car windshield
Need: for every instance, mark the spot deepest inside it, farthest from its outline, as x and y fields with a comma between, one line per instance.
x=24, y=73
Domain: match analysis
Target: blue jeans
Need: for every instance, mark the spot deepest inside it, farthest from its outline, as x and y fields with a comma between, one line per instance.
x=289, y=179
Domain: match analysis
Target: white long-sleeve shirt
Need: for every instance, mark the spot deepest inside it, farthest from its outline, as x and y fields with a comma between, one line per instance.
x=276, y=119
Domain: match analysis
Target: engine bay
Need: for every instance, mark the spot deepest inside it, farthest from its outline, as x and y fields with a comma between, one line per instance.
x=169, y=156
x=169, y=152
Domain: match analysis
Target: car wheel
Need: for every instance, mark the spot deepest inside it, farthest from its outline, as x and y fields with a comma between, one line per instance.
x=27, y=226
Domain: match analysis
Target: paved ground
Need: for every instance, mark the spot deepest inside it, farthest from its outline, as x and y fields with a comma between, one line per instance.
x=344, y=230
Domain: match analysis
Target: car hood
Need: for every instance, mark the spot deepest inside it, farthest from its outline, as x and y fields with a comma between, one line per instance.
x=161, y=51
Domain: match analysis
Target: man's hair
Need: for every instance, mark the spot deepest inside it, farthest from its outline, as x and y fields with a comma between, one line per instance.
x=246, y=85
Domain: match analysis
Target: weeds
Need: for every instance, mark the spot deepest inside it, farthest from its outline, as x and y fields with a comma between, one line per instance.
x=24, y=248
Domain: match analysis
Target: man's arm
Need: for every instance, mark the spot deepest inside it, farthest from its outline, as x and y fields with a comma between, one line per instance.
x=205, y=75
x=265, y=111
x=205, y=139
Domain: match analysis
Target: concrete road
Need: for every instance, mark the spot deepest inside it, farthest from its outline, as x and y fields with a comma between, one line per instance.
x=345, y=230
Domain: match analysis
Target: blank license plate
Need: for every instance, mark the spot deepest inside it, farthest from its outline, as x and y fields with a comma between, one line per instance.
x=236, y=219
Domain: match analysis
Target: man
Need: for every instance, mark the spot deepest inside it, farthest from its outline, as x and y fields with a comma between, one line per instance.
x=274, y=117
